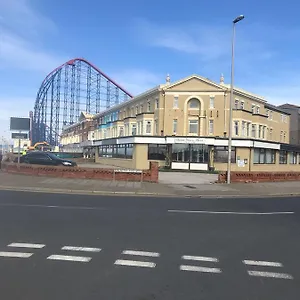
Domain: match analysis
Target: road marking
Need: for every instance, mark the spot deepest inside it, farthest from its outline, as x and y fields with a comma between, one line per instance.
x=134, y=263
x=141, y=253
x=262, y=263
x=53, y=206
x=270, y=274
x=26, y=245
x=200, y=258
x=200, y=269
x=230, y=212
x=84, y=249
x=16, y=254
x=70, y=258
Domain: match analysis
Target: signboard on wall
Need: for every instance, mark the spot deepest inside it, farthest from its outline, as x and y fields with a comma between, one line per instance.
x=189, y=141
x=22, y=136
x=21, y=124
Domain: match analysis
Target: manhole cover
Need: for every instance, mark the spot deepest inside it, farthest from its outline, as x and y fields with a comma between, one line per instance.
x=190, y=186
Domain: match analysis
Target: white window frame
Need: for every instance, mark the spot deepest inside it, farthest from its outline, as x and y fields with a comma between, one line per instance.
x=211, y=127
x=148, y=127
x=236, y=128
x=175, y=101
x=242, y=105
x=195, y=122
x=212, y=102
x=175, y=123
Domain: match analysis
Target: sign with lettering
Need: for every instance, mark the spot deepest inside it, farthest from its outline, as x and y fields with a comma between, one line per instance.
x=189, y=141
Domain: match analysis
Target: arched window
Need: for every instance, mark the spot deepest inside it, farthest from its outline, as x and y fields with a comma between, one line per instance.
x=194, y=104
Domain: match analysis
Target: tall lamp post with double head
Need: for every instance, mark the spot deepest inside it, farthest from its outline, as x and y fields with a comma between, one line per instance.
x=235, y=21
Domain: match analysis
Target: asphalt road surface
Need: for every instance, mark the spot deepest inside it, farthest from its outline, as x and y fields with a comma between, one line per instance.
x=55, y=246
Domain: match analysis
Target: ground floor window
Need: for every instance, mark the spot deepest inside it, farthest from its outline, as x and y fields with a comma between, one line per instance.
x=293, y=158
x=282, y=157
x=157, y=152
x=264, y=156
x=221, y=154
x=116, y=151
x=190, y=153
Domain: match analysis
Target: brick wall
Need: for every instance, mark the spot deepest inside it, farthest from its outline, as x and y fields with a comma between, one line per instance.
x=259, y=176
x=150, y=175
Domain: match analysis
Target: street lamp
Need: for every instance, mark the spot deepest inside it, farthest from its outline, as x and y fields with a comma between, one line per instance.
x=236, y=20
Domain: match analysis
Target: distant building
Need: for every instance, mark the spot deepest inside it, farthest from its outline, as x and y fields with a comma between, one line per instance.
x=294, y=111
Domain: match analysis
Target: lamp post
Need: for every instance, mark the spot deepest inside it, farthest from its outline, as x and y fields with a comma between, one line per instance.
x=235, y=21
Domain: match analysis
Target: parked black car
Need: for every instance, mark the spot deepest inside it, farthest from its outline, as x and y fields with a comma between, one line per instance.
x=46, y=158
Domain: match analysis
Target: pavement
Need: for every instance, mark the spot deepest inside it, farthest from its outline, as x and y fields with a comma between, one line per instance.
x=143, y=248
x=198, y=186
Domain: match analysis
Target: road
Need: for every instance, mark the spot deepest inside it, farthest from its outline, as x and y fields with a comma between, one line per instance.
x=55, y=246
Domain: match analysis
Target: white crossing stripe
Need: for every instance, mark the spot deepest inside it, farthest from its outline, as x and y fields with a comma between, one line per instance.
x=199, y=258
x=26, y=245
x=84, y=249
x=270, y=274
x=141, y=253
x=200, y=269
x=262, y=263
x=134, y=263
x=70, y=258
x=15, y=254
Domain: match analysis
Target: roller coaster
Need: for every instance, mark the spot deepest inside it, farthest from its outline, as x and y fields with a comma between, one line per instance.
x=74, y=87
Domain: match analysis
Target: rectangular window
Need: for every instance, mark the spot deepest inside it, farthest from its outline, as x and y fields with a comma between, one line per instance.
x=236, y=104
x=271, y=115
x=148, y=127
x=121, y=131
x=242, y=105
x=175, y=126
x=156, y=103
x=244, y=128
x=293, y=157
x=271, y=134
x=136, y=110
x=260, y=131
x=248, y=129
x=263, y=132
x=190, y=153
x=212, y=102
x=133, y=130
x=149, y=106
x=142, y=108
x=156, y=127
x=236, y=127
x=221, y=154
x=193, y=126
x=253, y=131
x=264, y=156
x=157, y=152
x=253, y=108
x=175, y=102
x=257, y=109
x=282, y=157
x=267, y=113
x=116, y=151
x=211, y=126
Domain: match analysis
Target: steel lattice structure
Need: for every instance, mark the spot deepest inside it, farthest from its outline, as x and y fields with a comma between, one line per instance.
x=74, y=87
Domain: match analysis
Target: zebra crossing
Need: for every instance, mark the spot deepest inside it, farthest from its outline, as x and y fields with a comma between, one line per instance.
x=144, y=259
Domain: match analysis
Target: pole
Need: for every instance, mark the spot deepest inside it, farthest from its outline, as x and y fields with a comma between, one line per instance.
x=19, y=150
x=230, y=108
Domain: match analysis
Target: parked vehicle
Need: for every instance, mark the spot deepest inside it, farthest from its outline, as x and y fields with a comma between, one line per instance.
x=46, y=158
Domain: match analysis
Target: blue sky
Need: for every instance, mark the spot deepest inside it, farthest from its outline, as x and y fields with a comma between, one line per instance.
x=138, y=42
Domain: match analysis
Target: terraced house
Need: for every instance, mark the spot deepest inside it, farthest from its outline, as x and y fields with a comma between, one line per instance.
x=184, y=125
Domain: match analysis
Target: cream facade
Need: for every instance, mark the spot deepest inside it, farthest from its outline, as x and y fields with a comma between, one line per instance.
x=191, y=111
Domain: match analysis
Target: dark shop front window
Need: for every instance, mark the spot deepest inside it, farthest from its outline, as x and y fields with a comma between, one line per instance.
x=190, y=153
x=221, y=154
x=116, y=151
x=157, y=152
x=282, y=157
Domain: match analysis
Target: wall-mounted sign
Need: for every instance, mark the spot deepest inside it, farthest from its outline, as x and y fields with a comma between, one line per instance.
x=189, y=141
x=22, y=136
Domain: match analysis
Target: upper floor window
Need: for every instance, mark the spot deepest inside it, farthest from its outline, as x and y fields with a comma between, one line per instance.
x=257, y=109
x=244, y=128
x=236, y=127
x=149, y=106
x=133, y=129
x=148, y=127
x=253, y=108
x=242, y=105
x=175, y=102
x=142, y=108
x=282, y=117
x=211, y=101
x=211, y=126
x=194, y=103
x=193, y=126
x=136, y=110
x=175, y=126
x=236, y=104
x=156, y=103
x=253, y=133
x=270, y=115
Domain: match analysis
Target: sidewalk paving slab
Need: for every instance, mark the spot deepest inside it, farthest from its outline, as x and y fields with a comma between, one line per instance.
x=90, y=186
